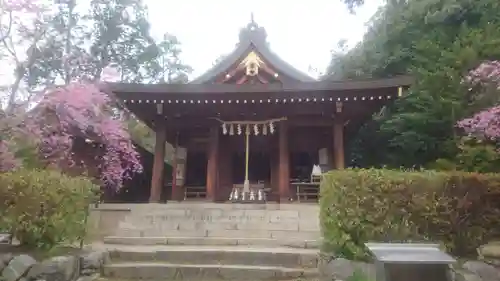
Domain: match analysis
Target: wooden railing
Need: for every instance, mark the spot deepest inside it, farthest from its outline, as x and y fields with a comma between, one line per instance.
x=195, y=192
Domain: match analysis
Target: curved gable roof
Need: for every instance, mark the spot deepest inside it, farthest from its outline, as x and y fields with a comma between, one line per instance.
x=252, y=38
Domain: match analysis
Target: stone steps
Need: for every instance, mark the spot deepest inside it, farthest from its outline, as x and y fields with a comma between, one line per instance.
x=212, y=241
x=226, y=255
x=188, y=241
x=208, y=263
x=168, y=271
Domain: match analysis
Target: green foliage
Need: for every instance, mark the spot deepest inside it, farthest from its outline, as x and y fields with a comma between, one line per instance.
x=358, y=275
x=44, y=208
x=478, y=156
x=437, y=42
x=443, y=165
x=459, y=210
x=473, y=156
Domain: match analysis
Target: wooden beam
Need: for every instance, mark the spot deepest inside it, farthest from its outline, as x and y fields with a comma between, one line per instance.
x=293, y=121
x=129, y=90
x=352, y=110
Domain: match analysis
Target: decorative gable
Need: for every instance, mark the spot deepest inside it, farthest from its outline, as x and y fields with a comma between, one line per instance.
x=252, y=62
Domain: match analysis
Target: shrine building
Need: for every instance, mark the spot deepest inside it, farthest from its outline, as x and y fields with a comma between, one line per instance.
x=253, y=127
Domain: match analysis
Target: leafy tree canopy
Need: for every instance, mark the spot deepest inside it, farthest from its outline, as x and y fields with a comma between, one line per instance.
x=438, y=42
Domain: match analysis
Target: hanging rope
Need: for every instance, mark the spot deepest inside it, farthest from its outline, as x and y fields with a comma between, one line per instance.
x=258, y=127
x=251, y=122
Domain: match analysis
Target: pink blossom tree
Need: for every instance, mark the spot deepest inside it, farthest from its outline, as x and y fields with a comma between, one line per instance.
x=78, y=110
x=486, y=123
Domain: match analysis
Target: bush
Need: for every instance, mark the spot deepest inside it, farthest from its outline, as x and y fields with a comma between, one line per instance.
x=460, y=210
x=44, y=208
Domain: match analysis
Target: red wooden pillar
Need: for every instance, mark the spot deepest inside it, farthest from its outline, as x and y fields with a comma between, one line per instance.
x=338, y=143
x=212, y=169
x=284, y=163
x=158, y=164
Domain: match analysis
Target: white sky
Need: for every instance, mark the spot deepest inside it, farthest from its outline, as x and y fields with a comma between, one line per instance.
x=302, y=32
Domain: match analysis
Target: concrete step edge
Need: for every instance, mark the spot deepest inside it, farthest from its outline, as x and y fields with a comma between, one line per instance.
x=215, y=249
x=286, y=257
x=213, y=241
x=202, y=271
x=222, y=266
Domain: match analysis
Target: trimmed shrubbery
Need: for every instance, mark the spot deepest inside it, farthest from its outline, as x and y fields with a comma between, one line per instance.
x=460, y=210
x=44, y=208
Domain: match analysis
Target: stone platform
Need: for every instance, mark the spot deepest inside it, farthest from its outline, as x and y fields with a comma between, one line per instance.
x=210, y=241
x=291, y=222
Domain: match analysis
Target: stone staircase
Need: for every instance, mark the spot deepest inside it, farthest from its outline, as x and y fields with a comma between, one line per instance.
x=208, y=241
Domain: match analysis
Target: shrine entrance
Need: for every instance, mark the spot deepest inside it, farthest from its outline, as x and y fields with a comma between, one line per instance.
x=252, y=180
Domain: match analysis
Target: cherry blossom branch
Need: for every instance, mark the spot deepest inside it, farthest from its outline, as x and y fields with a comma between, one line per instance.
x=484, y=124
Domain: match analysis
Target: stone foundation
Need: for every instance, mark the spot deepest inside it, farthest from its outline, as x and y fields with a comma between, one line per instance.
x=275, y=221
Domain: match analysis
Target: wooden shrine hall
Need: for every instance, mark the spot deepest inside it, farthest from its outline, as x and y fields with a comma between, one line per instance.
x=251, y=123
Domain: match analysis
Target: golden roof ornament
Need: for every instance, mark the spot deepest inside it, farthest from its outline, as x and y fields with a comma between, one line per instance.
x=252, y=63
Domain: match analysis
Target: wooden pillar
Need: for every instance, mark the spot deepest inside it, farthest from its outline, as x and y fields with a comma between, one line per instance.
x=274, y=163
x=158, y=164
x=284, y=163
x=174, y=191
x=338, y=143
x=212, y=157
x=225, y=180
x=177, y=190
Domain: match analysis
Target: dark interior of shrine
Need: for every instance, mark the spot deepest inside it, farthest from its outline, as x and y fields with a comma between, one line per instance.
x=196, y=168
x=301, y=164
x=259, y=164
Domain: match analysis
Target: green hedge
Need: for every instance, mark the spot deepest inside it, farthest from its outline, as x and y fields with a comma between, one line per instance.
x=44, y=208
x=460, y=210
